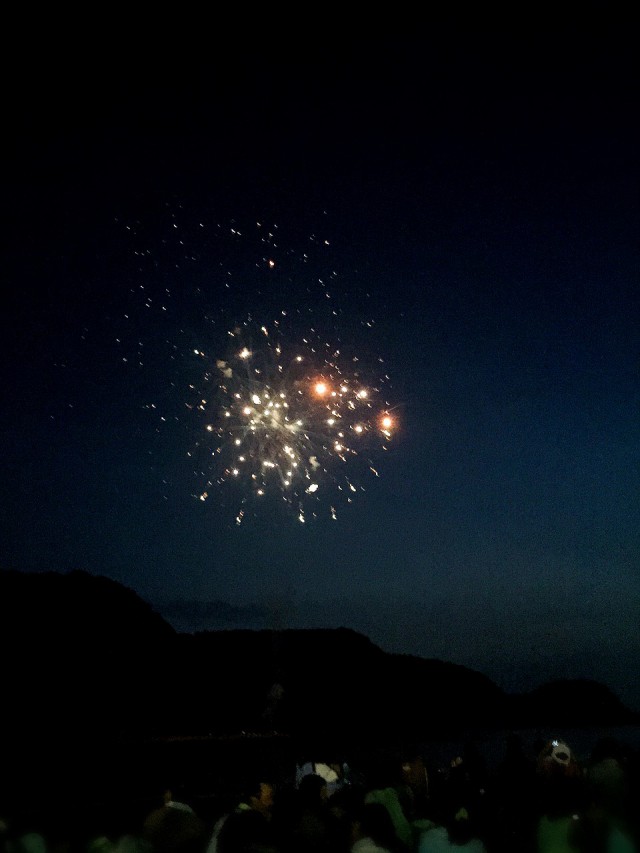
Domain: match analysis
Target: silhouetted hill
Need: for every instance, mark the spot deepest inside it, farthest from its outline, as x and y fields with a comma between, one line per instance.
x=84, y=652
x=335, y=682
x=562, y=702
x=87, y=656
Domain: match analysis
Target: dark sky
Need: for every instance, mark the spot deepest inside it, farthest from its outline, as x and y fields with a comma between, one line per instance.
x=458, y=212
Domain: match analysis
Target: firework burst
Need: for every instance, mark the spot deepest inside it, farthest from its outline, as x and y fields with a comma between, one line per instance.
x=277, y=411
x=298, y=422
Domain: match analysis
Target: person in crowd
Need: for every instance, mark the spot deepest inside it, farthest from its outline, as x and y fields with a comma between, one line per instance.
x=174, y=827
x=384, y=786
x=373, y=831
x=414, y=786
x=512, y=799
x=607, y=824
x=249, y=827
x=467, y=782
x=607, y=776
x=307, y=823
x=561, y=798
x=458, y=833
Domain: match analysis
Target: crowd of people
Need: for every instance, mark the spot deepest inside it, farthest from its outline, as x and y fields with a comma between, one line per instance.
x=549, y=801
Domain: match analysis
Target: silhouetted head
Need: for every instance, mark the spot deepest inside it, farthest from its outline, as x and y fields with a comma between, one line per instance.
x=312, y=791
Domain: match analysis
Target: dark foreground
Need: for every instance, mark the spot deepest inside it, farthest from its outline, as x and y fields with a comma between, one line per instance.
x=75, y=791
x=131, y=772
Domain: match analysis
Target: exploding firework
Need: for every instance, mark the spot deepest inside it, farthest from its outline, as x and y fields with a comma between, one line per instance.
x=302, y=423
x=280, y=411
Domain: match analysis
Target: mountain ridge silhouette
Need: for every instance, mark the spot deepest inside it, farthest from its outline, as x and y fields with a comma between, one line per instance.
x=116, y=666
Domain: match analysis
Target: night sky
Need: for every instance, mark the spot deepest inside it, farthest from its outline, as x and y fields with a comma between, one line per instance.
x=457, y=215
